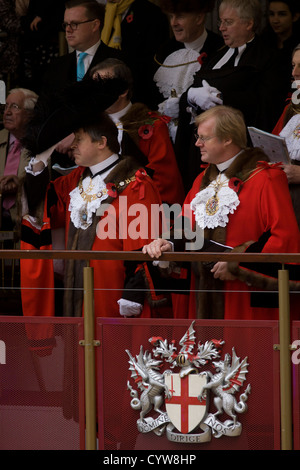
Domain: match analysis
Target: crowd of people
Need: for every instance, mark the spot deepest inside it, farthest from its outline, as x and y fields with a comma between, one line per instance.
x=150, y=109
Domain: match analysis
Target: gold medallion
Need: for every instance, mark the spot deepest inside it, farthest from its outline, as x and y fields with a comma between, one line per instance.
x=212, y=205
x=296, y=132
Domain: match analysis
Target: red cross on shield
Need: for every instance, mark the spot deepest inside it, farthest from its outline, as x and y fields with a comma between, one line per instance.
x=184, y=408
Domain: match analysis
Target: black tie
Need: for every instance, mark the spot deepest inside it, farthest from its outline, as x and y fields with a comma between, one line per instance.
x=230, y=62
x=105, y=169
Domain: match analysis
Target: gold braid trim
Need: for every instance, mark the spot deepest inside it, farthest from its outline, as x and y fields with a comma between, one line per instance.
x=174, y=66
x=91, y=197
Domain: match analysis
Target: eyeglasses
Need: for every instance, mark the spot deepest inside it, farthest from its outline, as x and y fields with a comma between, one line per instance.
x=226, y=23
x=74, y=24
x=203, y=139
x=13, y=107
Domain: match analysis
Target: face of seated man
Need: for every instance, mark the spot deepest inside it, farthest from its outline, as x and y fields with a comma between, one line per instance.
x=87, y=152
x=15, y=115
x=187, y=27
x=85, y=31
x=212, y=148
x=235, y=30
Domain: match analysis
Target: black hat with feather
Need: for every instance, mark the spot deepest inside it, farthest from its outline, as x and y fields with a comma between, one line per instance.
x=57, y=115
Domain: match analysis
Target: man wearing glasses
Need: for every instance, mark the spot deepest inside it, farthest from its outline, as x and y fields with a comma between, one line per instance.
x=83, y=22
x=239, y=198
x=13, y=158
x=243, y=74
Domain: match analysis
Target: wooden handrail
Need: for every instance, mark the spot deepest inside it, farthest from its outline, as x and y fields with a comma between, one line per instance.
x=282, y=258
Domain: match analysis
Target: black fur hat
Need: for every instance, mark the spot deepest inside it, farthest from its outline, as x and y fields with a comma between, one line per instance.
x=57, y=115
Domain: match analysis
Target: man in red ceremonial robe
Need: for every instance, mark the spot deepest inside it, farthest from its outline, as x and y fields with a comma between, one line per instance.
x=240, y=198
x=103, y=205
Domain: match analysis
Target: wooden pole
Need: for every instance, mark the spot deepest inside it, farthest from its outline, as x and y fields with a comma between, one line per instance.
x=89, y=344
x=285, y=361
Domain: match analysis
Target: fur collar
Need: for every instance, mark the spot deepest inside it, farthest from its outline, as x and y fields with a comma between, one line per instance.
x=138, y=115
x=79, y=239
x=241, y=168
x=210, y=301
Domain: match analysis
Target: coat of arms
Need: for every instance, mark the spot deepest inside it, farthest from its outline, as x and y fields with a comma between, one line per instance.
x=177, y=403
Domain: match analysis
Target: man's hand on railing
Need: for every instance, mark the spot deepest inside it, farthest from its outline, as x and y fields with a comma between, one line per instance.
x=157, y=247
x=220, y=271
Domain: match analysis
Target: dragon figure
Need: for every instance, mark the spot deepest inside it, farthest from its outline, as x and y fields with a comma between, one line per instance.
x=144, y=370
x=230, y=376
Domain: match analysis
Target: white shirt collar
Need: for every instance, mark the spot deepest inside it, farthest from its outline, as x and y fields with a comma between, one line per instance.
x=223, y=166
x=117, y=116
x=92, y=50
x=102, y=165
x=198, y=44
x=229, y=53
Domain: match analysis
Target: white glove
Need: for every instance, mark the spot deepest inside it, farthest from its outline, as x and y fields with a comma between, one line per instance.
x=170, y=107
x=205, y=97
x=38, y=163
x=127, y=308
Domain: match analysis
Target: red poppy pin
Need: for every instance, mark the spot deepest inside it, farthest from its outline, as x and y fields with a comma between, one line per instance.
x=111, y=189
x=129, y=18
x=202, y=58
x=235, y=184
x=145, y=131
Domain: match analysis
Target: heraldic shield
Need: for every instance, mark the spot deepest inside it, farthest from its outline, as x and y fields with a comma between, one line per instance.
x=186, y=408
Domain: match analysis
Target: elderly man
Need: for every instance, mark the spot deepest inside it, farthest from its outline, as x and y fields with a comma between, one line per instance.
x=244, y=74
x=13, y=157
x=83, y=21
x=238, y=198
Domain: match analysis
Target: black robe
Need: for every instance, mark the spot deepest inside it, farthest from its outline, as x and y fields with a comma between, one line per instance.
x=255, y=87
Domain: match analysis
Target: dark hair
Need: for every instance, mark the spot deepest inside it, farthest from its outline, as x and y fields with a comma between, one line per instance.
x=104, y=127
x=187, y=6
x=120, y=70
x=293, y=5
x=94, y=10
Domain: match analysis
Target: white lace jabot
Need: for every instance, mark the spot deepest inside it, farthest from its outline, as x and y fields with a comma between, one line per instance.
x=85, y=199
x=177, y=71
x=213, y=204
x=291, y=133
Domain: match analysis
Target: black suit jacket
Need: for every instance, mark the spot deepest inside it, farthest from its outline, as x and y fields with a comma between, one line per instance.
x=144, y=29
x=62, y=71
x=255, y=87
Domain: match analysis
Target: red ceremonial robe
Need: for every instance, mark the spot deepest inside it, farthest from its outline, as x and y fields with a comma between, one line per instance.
x=149, y=130
x=265, y=205
x=127, y=226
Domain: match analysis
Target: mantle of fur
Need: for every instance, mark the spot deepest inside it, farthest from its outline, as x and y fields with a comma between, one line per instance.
x=210, y=296
x=254, y=278
x=79, y=239
x=241, y=168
